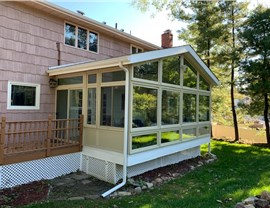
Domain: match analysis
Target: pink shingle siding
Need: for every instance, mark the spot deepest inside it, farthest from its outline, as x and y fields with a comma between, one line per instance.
x=28, y=40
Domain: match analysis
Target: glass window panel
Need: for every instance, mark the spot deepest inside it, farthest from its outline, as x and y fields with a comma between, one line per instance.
x=144, y=107
x=112, y=106
x=170, y=136
x=147, y=71
x=188, y=134
x=92, y=78
x=140, y=50
x=189, y=108
x=75, y=103
x=203, y=85
x=190, y=76
x=70, y=80
x=134, y=50
x=144, y=141
x=204, y=130
x=204, y=111
x=93, y=41
x=106, y=109
x=70, y=34
x=170, y=107
x=23, y=95
x=113, y=76
x=118, y=106
x=82, y=38
x=91, y=111
x=171, y=70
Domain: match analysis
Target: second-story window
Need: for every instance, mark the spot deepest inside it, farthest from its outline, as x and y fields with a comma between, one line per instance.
x=81, y=38
x=135, y=49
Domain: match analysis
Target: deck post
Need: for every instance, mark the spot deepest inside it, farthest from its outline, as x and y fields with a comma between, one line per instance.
x=2, y=139
x=49, y=134
x=81, y=132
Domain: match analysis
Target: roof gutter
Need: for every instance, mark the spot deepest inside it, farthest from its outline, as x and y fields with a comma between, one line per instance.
x=125, y=149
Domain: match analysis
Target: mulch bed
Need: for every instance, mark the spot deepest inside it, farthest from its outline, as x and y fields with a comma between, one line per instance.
x=24, y=194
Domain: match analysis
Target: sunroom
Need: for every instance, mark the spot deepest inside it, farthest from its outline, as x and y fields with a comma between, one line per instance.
x=141, y=111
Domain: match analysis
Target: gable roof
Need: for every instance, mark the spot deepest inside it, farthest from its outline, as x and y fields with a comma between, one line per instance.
x=81, y=20
x=190, y=55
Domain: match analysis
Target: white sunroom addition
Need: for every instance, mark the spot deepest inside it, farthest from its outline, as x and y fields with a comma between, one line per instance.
x=142, y=111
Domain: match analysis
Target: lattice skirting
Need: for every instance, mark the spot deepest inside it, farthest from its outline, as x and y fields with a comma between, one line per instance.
x=112, y=172
x=47, y=168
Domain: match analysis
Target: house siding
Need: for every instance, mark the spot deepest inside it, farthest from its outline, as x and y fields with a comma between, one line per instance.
x=28, y=47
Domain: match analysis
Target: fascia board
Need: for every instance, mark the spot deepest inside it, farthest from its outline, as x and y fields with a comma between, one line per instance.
x=87, y=66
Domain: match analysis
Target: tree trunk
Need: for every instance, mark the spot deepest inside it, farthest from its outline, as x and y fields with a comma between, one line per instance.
x=236, y=132
x=266, y=119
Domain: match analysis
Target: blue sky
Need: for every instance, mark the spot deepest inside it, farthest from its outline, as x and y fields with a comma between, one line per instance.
x=141, y=25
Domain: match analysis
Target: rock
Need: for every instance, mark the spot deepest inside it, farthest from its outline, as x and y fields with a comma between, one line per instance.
x=239, y=205
x=192, y=167
x=250, y=200
x=76, y=198
x=249, y=206
x=175, y=175
x=144, y=187
x=158, y=180
x=265, y=195
x=84, y=182
x=209, y=161
x=138, y=190
x=92, y=196
x=149, y=185
x=124, y=193
x=261, y=203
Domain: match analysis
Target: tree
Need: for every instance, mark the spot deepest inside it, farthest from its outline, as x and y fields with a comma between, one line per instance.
x=255, y=68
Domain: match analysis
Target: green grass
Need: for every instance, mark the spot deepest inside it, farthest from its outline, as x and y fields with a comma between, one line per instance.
x=240, y=171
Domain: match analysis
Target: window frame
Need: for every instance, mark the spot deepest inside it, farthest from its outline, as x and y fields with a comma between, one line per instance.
x=137, y=49
x=26, y=84
x=76, y=37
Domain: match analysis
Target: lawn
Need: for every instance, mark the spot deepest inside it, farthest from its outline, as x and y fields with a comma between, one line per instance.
x=240, y=171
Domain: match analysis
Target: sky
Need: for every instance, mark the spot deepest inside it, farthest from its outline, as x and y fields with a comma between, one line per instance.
x=130, y=19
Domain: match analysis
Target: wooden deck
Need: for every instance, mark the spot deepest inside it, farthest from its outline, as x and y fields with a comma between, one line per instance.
x=29, y=140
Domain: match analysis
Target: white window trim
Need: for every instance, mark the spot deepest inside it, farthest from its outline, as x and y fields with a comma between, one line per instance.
x=37, y=103
x=76, y=37
x=137, y=49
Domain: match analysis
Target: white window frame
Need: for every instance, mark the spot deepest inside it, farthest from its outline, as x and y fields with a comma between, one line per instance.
x=37, y=103
x=76, y=37
x=137, y=49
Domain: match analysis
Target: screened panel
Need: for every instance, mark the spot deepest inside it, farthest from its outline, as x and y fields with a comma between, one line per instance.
x=188, y=134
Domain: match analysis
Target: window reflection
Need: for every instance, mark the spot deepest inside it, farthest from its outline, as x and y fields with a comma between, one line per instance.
x=189, y=108
x=190, y=76
x=170, y=107
x=203, y=85
x=144, y=141
x=204, y=111
x=144, y=107
x=188, y=134
x=147, y=71
x=171, y=70
x=170, y=136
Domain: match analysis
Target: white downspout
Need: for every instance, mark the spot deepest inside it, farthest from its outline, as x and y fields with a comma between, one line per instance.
x=125, y=150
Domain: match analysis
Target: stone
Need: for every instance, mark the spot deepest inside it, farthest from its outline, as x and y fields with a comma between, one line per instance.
x=149, y=185
x=138, y=190
x=80, y=176
x=250, y=200
x=261, y=203
x=84, y=182
x=158, y=180
x=124, y=193
x=92, y=196
x=192, y=167
x=239, y=205
x=144, y=187
x=249, y=206
x=76, y=198
x=265, y=195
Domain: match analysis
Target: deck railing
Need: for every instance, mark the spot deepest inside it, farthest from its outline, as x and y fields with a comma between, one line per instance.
x=28, y=140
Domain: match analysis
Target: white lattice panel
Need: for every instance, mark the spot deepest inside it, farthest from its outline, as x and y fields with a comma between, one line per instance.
x=101, y=169
x=47, y=168
x=163, y=161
